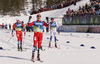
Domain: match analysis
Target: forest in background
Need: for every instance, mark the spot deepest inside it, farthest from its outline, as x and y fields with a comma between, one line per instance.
x=13, y=7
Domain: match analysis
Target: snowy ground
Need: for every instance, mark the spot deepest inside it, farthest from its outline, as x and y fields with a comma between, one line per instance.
x=69, y=53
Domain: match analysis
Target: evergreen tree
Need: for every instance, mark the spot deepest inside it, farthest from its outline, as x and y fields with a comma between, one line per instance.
x=11, y=7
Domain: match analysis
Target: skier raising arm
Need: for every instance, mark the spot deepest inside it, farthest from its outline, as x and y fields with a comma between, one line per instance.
x=18, y=27
x=53, y=31
x=38, y=35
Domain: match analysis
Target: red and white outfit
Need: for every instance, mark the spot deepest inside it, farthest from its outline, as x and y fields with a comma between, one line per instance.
x=18, y=28
x=38, y=32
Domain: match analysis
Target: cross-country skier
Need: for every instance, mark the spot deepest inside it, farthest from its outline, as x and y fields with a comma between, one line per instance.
x=18, y=27
x=38, y=35
x=53, y=27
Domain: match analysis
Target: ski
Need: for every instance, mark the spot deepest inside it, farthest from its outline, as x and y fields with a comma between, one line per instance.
x=50, y=47
x=43, y=49
x=40, y=60
x=57, y=47
x=22, y=50
x=54, y=47
x=32, y=60
x=37, y=60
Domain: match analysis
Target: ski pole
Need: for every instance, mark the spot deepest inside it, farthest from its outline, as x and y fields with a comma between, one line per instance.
x=9, y=39
x=24, y=37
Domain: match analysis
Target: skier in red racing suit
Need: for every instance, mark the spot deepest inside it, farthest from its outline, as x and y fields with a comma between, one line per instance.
x=38, y=35
x=18, y=27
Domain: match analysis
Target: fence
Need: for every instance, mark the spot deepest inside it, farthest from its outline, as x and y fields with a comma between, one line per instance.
x=81, y=28
x=81, y=20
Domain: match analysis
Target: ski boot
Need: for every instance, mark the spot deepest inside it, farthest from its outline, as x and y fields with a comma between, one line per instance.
x=33, y=53
x=49, y=44
x=33, y=56
x=32, y=59
x=41, y=48
x=55, y=44
x=38, y=57
x=21, y=46
x=18, y=48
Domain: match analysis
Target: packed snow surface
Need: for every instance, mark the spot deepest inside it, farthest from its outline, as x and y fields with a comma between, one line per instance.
x=69, y=53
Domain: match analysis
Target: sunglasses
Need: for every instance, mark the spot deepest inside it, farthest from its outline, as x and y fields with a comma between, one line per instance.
x=38, y=16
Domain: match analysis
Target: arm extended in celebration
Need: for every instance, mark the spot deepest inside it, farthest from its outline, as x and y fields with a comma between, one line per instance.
x=46, y=24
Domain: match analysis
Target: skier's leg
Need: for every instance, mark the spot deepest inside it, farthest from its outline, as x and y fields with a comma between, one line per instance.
x=50, y=41
x=35, y=44
x=50, y=38
x=38, y=54
x=18, y=45
x=21, y=45
x=33, y=51
x=21, y=37
x=35, y=39
x=40, y=40
x=51, y=34
x=54, y=33
x=17, y=34
x=39, y=45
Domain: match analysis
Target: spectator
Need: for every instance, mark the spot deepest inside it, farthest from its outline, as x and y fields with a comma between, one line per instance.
x=96, y=7
x=91, y=9
x=9, y=26
x=53, y=7
x=80, y=8
x=97, y=12
x=5, y=26
x=86, y=7
x=2, y=25
x=99, y=5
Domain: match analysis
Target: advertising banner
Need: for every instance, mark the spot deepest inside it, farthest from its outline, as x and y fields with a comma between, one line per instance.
x=82, y=20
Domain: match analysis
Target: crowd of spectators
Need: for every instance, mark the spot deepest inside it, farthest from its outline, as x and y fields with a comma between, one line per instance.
x=88, y=9
x=4, y=26
x=55, y=6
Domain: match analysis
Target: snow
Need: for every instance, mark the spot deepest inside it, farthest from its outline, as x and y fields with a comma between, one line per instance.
x=71, y=53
